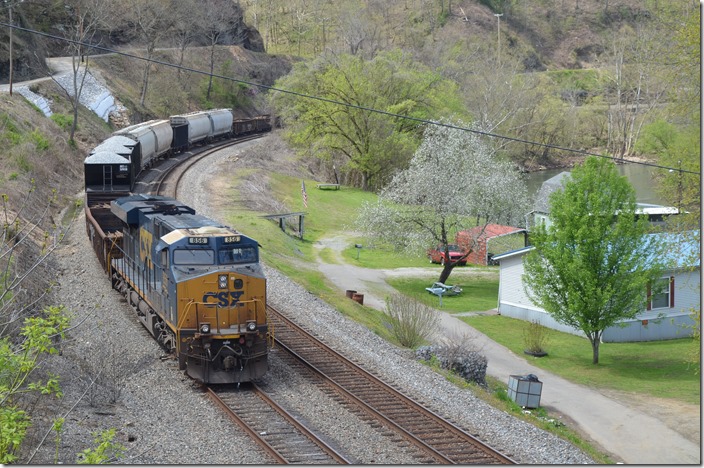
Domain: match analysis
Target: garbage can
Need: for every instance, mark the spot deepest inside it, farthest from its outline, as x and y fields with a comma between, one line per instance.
x=358, y=298
x=525, y=390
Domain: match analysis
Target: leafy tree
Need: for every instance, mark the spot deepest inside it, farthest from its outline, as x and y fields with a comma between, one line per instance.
x=17, y=365
x=454, y=182
x=591, y=266
x=370, y=145
x=105, y=451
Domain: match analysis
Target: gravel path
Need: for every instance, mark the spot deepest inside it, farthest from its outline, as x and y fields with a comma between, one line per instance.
x=162, y=418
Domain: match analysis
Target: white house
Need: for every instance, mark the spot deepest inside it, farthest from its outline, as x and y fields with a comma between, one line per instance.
x=666, y=316
x=656, y=214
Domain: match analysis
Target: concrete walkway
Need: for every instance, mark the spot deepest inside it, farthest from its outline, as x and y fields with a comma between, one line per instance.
x=627, y=434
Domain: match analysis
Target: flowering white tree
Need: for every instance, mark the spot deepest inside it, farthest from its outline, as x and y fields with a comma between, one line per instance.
x=454, y=182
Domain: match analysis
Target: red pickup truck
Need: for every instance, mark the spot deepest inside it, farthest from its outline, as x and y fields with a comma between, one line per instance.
x=437, y=255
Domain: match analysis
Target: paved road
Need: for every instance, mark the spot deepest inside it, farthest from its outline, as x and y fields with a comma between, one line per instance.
x=628, y=434
x=58, y=66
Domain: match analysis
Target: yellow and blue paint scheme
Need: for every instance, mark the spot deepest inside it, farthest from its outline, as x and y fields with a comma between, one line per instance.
x=196, y=285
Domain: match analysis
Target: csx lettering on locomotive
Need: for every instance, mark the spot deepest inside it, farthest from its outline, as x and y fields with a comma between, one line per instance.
x=224, y=298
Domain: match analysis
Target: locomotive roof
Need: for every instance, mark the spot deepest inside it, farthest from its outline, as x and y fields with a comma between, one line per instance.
x=129, y=208
x=203, y=231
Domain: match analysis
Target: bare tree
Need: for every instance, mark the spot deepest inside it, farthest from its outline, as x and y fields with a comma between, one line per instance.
x=85, y=18
x=152, y=20
x=635, y=86
x=220, y=19
x=28, y=237
x=186, y=27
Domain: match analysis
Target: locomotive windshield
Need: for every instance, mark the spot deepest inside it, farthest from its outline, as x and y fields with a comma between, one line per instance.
x=237, y=255
x=194, y=257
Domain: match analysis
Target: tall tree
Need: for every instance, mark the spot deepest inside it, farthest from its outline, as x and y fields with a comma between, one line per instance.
x=592, y=265
x=454, y=182
x=220, y=18
x=369, y=146
x=153, y=20
x=84, y=19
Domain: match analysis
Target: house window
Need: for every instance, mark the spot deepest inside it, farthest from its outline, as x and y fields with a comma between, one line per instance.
x=661, y=294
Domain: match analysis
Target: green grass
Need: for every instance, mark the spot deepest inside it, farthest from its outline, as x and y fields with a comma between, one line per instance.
x=381, y=257
x=478, y=294
x=655, y=368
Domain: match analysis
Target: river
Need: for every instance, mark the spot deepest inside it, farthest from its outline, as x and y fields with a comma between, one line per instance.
x=639, y=175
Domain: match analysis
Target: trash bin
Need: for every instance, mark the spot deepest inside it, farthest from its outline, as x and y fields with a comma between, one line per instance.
x=525, y=390
x=358, y=298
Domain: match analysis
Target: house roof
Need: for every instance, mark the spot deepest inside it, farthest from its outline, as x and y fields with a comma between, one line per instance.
x=549, y=186
x=542, y=199
x=491, y=230
x=513, y=253
x=683, y=252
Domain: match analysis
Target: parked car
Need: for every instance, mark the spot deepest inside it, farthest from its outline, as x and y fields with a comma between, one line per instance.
x=437, y=255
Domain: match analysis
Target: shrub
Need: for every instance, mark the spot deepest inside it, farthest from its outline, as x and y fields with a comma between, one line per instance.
x=105, y=451
x=39, y=140
x=411, y=321
x=535, y=337
x=468, y=364
x=62, y=120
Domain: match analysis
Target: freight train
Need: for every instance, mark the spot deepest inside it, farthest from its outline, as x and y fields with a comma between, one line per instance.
x=196, y=285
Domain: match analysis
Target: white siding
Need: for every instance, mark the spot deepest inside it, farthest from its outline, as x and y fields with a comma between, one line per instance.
x=658, y=324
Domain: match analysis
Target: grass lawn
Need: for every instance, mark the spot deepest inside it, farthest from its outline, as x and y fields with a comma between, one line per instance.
x=656, y=368
x=478, y=293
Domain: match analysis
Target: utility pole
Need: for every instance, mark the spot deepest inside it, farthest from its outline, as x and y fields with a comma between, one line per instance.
x=498, y=35
x=10, y=10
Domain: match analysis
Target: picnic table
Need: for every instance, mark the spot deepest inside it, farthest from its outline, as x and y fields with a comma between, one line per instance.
x=441, y=289
x=329, y=186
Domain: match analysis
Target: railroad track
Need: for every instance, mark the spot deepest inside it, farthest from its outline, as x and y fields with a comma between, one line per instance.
x=164, y=178
x=438, y=438
x=272, y=427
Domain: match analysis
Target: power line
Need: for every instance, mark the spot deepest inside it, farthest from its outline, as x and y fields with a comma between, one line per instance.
x=353, y=106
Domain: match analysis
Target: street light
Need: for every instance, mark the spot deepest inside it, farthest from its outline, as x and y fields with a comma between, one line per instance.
x=498, y=34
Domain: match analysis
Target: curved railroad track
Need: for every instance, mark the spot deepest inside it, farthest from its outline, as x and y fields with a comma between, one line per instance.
x=438, y=438
x=283, y=438
x=165, y=176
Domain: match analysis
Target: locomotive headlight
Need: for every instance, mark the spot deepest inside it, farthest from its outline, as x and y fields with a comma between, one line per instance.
x=251, y=326
x=222, y=281
x=205, y=328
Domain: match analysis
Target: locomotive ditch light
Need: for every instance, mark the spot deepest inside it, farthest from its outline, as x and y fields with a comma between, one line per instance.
x=251, y=326
x=222, y=281
x=205, y=328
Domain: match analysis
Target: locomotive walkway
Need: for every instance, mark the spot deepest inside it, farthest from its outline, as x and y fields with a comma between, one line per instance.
x=630, y=435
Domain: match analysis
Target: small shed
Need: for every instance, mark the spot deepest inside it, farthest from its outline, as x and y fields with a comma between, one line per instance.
x=487, y=241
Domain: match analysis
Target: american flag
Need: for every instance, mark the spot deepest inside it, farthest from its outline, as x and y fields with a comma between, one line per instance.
x=305, y=195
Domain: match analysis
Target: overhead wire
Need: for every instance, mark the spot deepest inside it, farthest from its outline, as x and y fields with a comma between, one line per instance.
x=354, y=106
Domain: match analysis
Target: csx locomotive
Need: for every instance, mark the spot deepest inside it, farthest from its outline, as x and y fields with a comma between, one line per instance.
x=195, y=284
